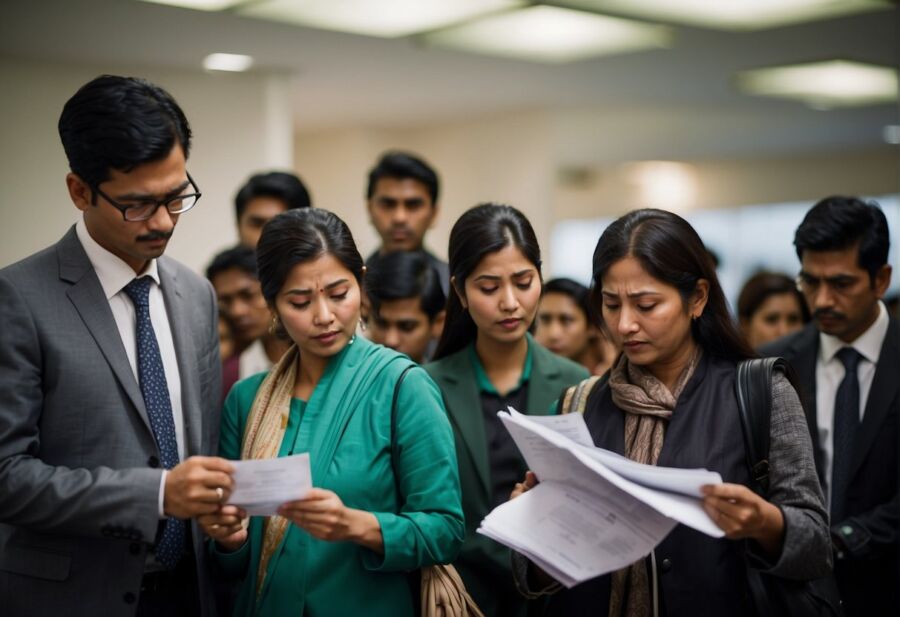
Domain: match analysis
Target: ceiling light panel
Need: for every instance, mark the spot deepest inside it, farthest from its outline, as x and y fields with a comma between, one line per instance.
x=200, y=5
x=836, y=83
x=382, y=18
x=732, y=14
x=235, y=63
x=551, y=34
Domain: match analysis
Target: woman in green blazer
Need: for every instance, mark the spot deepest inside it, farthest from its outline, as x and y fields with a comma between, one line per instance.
x=387, y=497
x=485, y=361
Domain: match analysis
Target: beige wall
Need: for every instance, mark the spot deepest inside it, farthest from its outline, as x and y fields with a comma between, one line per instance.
x=522, y=159
x=241, y=123
x=504, y=159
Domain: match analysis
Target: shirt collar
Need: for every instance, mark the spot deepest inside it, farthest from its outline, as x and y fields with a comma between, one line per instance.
x=868, y=344
x=481, y=378
x=113, y=273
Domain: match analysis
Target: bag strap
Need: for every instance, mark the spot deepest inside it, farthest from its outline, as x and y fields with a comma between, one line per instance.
x=394, y=425
x=575, y=397
x=753, y=389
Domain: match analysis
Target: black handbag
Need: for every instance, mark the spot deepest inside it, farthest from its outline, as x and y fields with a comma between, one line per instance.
x=774, y=596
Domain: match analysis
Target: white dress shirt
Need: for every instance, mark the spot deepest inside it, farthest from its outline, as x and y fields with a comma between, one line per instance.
x=114, y=275
x=829, y=374
x=253, y=360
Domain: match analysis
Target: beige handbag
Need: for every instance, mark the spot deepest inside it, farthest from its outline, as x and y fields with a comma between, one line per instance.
x=444, y=595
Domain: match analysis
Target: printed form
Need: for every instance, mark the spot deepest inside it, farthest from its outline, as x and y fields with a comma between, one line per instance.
x=261, y=485
x=594, y=511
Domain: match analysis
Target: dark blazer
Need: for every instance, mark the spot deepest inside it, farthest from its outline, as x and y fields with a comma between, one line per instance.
x=867, y=573
x=455, y=376
x=79, y=476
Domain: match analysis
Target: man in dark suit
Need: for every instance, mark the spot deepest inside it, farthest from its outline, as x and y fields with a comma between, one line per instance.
x=848, y=361
x=109, y=380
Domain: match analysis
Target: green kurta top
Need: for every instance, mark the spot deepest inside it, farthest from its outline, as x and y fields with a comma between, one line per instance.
x=346, y=428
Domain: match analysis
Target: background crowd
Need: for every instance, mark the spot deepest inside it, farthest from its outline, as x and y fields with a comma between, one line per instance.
x=389, y=370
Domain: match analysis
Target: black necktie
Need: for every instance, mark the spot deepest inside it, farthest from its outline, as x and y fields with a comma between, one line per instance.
x=846, y=423
x=155, y=390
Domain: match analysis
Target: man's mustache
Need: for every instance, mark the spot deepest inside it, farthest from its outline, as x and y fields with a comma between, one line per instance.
x=828, y=314
x=155, y=235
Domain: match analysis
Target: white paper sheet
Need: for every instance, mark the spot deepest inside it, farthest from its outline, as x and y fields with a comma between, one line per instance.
x=593, y=511
x=261, y=485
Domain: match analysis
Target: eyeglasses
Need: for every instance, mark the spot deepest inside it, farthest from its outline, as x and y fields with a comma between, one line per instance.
x=841, y=284
x=146, y=208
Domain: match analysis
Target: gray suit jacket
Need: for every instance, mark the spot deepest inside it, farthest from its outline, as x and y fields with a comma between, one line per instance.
x=79, y=476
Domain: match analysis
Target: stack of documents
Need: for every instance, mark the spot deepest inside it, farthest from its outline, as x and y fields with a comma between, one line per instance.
x=593, y=511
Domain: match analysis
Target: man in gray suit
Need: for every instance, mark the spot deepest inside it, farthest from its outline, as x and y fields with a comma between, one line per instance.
x=109, y=380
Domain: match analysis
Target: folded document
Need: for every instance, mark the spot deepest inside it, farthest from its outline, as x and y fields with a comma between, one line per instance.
x=594, y=511
x=261, y=485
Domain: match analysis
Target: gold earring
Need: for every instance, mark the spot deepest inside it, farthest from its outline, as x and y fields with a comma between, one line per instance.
x=273, y=327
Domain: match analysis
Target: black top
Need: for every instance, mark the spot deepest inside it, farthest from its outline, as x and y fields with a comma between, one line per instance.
x=506, y=464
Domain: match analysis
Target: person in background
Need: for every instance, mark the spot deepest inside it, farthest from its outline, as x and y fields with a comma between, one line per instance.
x=402, y=200
x=770, y=307
x=109, y=380
x=407, y=303
x=264, y=196
x=233, y=276
x=486, y=361
x=848, y=360
x=386, y=497
x=226, y=339
x=670, y=401
x=564, y=326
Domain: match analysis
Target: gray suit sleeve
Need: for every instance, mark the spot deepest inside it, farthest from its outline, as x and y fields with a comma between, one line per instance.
x=794, y=488
x=37, y=494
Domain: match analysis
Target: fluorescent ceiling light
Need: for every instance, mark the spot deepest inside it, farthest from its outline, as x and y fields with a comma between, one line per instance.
x=732, y=14
x=383, y=18
x=550, y=34
x=836, y=83
x=227, y=62
x=200, y=5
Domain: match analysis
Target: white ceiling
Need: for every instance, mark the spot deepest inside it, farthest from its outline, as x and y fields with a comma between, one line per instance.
x=681, y=99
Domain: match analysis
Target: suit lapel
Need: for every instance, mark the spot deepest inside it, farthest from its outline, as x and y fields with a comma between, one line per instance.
x=179, y=323
x=882, y=394
x=803, y=354
x=86, y=294
x=545, y=383
x=464, y=408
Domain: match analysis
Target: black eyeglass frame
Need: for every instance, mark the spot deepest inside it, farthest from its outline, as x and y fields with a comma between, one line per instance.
x=159, y=203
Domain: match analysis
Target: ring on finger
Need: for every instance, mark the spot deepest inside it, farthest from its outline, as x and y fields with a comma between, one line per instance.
x=220, y=493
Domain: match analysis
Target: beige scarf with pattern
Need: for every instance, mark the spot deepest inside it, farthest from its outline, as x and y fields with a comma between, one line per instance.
x=648, y=404
x=263, y=435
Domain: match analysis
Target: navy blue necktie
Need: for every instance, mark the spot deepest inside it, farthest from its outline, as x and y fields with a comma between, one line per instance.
x=155, y=390
x=846, y=423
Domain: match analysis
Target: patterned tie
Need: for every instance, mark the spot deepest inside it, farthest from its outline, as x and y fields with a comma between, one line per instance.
x=846, y=423
x=155, y=391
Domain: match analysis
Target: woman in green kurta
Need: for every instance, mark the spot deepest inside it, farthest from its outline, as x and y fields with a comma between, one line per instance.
x=485, y=361
x=345, y=548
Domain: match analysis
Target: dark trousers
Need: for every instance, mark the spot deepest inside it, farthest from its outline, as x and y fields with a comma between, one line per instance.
x=171, y=593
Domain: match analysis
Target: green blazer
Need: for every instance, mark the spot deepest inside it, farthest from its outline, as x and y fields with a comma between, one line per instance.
x=485, y=564
x=346, y=428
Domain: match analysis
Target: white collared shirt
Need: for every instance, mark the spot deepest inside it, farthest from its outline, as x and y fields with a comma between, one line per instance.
x=253, y=360
x=114, y=275
x=829, y=374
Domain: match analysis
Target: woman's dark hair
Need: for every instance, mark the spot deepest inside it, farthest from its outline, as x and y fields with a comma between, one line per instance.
x=575, y=290
x=837, y=223
x=670, y=250
x=280, y=185
x=405, y=274
x=760, y=287
x=298, y=236
x=480, y=231
x=119, y=123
